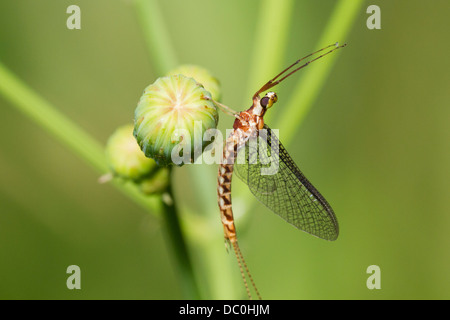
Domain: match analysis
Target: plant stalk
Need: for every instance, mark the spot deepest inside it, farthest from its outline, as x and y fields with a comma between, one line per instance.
x=67, y=132
x=156, y=36
x=172, y=224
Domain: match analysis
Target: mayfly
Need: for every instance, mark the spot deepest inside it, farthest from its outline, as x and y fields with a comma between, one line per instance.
x=285, y=191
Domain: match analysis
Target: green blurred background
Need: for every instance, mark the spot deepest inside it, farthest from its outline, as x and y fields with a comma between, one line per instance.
x=375, y=143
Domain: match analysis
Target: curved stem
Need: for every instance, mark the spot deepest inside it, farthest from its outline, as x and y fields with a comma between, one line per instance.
x=173, y=230
x=266, y=62
x=67, y=132
x=308, y=87
x=156, y=36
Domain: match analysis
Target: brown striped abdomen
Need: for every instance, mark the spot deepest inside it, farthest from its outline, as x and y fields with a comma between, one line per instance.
x=224, y=189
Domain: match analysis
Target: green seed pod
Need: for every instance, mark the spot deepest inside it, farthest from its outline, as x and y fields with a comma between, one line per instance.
x=124, y=156
x=201, y=75
x=171, y=119
x=128, y=162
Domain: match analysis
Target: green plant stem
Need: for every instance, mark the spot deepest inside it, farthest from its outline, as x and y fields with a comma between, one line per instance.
x=272, y=29
x=156, y=36
x=67, y=132
x=310, y=84
x=184, y=265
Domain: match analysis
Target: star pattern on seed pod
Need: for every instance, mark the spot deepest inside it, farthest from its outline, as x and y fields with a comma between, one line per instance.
x=167, y=115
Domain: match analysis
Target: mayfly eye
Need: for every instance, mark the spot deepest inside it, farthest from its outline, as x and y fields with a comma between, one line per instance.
x=264, y=102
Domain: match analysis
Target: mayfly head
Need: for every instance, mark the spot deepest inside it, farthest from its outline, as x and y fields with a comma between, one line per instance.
x=268, y=100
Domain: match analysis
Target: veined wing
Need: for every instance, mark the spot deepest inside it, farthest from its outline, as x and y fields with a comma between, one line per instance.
x=273, y=177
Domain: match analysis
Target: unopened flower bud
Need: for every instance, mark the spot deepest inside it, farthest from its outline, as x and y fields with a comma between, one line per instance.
x=171, y=118
x=127, y=161
x=124, y=156
x=201, y=75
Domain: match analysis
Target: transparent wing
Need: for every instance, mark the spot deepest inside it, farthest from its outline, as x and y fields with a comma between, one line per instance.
x=273, y=177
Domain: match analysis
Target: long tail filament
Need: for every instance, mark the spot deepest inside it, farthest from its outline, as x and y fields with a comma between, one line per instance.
x=244, y=271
